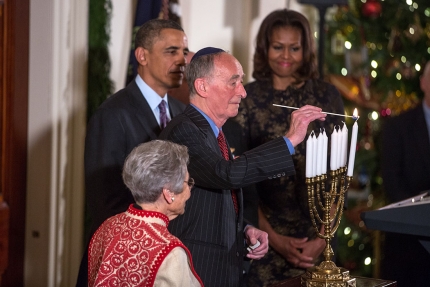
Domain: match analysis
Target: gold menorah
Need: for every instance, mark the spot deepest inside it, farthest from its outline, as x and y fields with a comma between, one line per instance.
x=330, y=205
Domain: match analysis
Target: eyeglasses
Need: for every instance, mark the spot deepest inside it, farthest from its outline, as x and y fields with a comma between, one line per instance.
x=190, y=182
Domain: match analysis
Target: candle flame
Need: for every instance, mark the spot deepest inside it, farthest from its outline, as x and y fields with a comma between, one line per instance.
x=355, y=114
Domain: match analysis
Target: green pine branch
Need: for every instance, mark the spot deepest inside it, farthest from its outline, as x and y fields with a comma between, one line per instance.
x=99, y=85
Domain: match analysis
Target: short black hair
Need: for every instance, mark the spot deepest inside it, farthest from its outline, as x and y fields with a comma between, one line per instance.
x=149, y=31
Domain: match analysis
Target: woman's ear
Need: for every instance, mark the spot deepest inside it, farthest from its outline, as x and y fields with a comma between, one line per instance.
x=169, y=196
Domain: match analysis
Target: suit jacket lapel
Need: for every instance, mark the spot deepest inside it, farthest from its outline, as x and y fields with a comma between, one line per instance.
x=143, y=111
x=205, y=127
x=200, y=121
x=175, y=107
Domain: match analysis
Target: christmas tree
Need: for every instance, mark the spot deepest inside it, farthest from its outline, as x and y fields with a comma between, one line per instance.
x=374, y=54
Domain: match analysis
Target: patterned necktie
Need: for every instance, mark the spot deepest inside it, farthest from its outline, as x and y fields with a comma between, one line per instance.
x=224, y=150
x=163, y=114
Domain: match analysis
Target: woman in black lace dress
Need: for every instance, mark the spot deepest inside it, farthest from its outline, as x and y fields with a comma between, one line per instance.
x=285, y=73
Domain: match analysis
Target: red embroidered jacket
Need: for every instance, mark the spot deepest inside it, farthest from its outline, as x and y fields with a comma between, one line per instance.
x=130, y=247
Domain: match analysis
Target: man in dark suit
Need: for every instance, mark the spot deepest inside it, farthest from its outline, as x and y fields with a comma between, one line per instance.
x=405, y=171
x=132, y=116
x=406, y=149
x=212, y=225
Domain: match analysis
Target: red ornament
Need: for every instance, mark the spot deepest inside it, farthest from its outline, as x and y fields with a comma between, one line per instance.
x=372, y=8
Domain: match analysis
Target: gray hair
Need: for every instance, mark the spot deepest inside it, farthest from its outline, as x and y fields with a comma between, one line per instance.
x=151, y=30
x=155, y=165
x=200, y=67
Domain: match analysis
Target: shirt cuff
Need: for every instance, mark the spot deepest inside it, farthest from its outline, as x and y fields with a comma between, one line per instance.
x=289, y=145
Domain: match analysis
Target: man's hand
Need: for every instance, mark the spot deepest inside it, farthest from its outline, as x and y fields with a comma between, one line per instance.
x=253, y=234
x=300, y=120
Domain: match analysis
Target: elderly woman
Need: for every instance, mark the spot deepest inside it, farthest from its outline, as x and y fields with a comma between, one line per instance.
x=134, y=248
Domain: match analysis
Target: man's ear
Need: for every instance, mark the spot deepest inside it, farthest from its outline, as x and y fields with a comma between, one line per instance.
x=200, y=85
x=141, y=55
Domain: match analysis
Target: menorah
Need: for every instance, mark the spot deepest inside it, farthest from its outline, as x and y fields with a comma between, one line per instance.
x=329, y=203
x=326, y=208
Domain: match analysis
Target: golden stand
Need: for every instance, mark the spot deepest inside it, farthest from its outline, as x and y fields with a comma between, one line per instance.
x=327, y=274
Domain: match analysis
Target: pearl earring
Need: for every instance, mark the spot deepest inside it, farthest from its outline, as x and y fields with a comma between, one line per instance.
x=173, y=199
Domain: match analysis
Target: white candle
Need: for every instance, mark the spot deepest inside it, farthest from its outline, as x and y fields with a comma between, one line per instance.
x=325, y=144
x=345, y=147
x=352, y=149
x=320, y=153
x=339, y=148
x=344, y=143
x=333, y=150
x=314, y=155
x=309, y=151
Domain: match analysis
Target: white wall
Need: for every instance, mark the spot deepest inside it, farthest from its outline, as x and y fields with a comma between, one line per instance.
x=119, y=49
x=228, y=24
x=56, y=129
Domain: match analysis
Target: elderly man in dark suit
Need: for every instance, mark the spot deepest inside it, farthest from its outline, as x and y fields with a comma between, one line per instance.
x=212, y=225
x=134, y=115
x=406, y=173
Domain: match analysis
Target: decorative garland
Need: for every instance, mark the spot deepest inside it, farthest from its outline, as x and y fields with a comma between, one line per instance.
x=99, y=85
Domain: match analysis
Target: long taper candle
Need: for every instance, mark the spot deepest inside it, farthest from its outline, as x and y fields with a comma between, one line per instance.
x=352, y=147
x=320, y=153
x=324, y=168
x=333, y=150
x=344, y=148
x=309, y=152
x=314, y=155
x=339, y=148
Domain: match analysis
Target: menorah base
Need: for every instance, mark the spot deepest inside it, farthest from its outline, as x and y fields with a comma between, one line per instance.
x=331, y=277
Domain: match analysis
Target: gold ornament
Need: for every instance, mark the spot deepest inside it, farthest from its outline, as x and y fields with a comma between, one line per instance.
x=354, y=89
x=399, y=102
